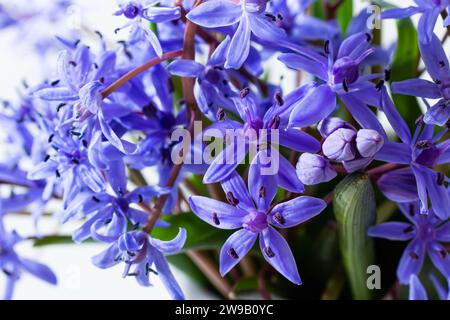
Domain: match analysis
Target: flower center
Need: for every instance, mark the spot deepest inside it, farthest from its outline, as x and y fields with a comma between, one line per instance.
x=255, y=221
x=122, y=204
x=131, y=11
x=444, y=87
x=345, y=69
x=427, y=153
x=426, y=232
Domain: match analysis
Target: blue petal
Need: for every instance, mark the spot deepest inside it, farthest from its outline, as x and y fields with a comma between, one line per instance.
x=185, y=68
x=235, y=185
x=39, y=270
x=296, y=211
x=417, y=88
x=399, y=185
x=392, y=231
x=427, y=23
x=262, y=184
x=394, y=152
x=217, y=13
x=264, y=29
x=298, y=140
x=167, y=277
x=411, y=261
x=416, y=289
x=240, y=46
x=216, y=213
x=280, y=256
x=241, y=242
x=56, y=94
x=173, y=246
x=400, y=13
x=316, y=106
x=303, y=63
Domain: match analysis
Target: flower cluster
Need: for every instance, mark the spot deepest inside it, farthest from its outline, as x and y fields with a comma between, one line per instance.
x=112, y=137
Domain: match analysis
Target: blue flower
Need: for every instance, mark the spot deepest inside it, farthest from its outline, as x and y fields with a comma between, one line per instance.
x=141, y=253
x=254, y=214
x=140, y=13
x=78, y=90
x=13, y=266
x=438, y=67
x=251, y=19
x=338, y=73
x=420, y=152
x=429, y=10
x=418, y=292
x=425, y=232
x=256, y=134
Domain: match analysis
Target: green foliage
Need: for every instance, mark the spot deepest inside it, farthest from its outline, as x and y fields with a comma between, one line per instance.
x=355, y=210
x=200, y=234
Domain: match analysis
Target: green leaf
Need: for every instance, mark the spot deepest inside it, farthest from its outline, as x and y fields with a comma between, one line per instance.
x=355, y=210
x=51, y=240
x=200, y=235
x=344, y=15
x=405, y=65
x=318, y=10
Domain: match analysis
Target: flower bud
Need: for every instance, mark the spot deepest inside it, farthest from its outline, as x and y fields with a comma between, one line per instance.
x=314, y=169
x=340, y=145
x=356, y=164
x=368, y=142
x=328, y=125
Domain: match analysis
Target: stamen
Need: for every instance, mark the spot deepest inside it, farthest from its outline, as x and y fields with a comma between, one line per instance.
x=141, y=199
x=268, y=251
x=262, y=192
x=58, y=108
x=275, y=122
x=344, y=85
x=408, y=229
x=231, y=199
x=278, y=217
x=54, y=83
x=244, y=92
x=326, y=47
x=440, y=178
x=220, y=114
x=279, y=99
x=215, y=219
x=387, y=74
x=379, y=85
x=95, y=199
x=413, y=255
x=232, y=253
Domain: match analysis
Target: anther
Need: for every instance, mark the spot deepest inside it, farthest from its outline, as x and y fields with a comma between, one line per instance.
x=215, y=219
x=268, y=251
x=232, y=253
x=231, y=199
x=344, y=85
x=278, y=217
x=244, y=92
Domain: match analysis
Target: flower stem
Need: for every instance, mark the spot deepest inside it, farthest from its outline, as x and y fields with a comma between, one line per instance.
x=188, y=52
x=204, y=263
x=135, y=72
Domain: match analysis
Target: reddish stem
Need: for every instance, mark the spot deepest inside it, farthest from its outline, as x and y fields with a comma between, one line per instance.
x=135, y=72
